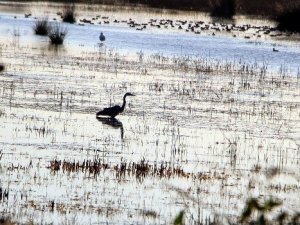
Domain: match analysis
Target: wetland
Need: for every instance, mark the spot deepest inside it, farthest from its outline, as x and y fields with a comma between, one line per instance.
x=215, y=119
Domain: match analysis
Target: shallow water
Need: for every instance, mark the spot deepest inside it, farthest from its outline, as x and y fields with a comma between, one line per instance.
x=217, y=107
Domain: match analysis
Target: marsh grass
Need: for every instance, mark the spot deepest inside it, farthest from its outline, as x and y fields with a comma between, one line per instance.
x=57, y=34
x=68, y=15
x=139, y=169
x=41, y=27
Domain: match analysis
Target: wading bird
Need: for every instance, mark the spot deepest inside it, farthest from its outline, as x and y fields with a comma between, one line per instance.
x=115, y=110
x=102, y=37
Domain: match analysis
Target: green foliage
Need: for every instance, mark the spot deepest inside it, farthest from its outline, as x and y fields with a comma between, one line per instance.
x=179, y=220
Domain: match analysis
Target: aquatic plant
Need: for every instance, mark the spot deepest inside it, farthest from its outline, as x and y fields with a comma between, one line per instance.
x=41, y=27
x=57, y=34
x=68, y=15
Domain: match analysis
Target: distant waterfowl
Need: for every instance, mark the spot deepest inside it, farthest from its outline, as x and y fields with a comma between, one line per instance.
x=102, y=37
x=115, y=110
x=275, y=50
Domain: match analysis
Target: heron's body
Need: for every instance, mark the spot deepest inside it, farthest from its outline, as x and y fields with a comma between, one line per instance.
x=115, y=110
x=102, y=37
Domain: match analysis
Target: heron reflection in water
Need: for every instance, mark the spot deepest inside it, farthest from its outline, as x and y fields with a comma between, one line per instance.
x=113, y=122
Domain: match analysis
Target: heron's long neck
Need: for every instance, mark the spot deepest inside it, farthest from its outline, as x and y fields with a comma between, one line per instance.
x=124, y=103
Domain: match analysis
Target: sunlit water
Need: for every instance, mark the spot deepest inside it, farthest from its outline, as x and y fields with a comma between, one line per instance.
x=226, y=128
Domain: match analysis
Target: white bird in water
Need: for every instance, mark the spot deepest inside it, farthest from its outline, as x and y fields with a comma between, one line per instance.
x=102, y=37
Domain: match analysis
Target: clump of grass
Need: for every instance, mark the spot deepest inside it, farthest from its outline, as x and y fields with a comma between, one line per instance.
x=223, y=9
x=139, y=169
x=68, y=15
x=41, y=27
x=57, y=34
x=289, y=20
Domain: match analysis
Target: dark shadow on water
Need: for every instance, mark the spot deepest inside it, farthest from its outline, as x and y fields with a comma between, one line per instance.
x=113, y=122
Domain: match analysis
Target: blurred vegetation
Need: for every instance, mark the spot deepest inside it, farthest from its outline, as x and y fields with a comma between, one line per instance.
x=255, y=213
x=179, y=220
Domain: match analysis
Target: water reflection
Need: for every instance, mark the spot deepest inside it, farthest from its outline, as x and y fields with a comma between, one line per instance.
x=56, y=49
x=223, y=20
x=113, y=122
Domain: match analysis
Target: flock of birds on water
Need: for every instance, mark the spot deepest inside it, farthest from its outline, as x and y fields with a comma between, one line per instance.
x=197, y=27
